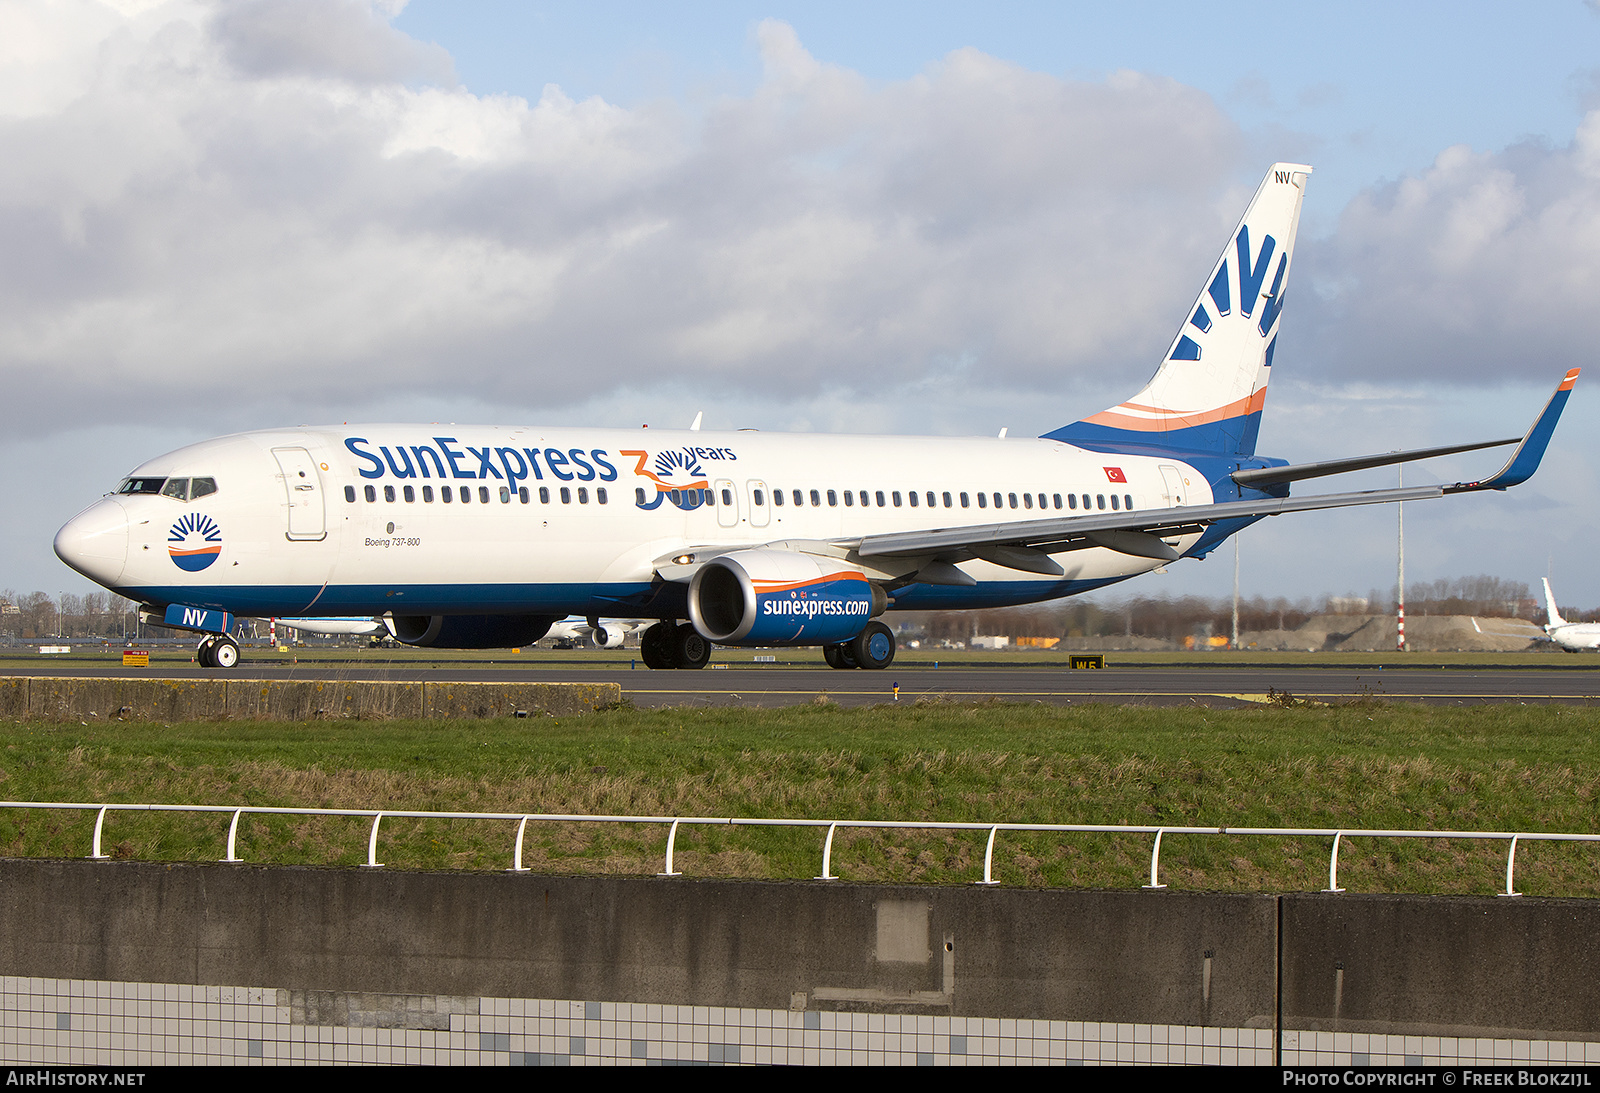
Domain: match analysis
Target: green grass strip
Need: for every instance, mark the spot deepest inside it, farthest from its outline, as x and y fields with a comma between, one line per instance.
x=1506, y=768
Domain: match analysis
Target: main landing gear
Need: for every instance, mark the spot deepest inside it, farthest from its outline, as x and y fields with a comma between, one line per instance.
x=874, y=648
x=218, y=651
x=665, y=645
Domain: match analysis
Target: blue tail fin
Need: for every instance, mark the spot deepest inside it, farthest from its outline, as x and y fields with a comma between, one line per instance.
x=1208, y=393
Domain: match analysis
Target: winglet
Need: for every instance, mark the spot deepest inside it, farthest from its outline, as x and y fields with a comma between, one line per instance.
x=1525, y=460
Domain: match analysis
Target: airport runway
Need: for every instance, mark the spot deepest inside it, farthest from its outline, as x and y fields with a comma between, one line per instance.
x=1565, y=681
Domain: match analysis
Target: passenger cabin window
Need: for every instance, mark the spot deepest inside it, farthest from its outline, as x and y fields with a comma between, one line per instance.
x=427, y=495
x=411, y=495
x=983, y=500
x=833, y=500
x=964, y=502
x=1113, y=501
x=727, y=496
x=350, y=494
x=446, y=494
x=1072, y=500
x=371, y=492
x=912, y=497
x=1127, y=500
x=522, y=494
x=141, y=485
x=777, y=497
x=583, y=495
x=757, y=497
x=566, y=495
x=799, y=498
x=600, y=494
x=544, y=495
x=1100, y=497
x=505, y=495
x=388, y=493
x=483, y=493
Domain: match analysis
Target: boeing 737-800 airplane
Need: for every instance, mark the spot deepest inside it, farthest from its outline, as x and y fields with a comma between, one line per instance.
x=482, y=537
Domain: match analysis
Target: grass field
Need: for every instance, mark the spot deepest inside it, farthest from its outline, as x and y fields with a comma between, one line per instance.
x=1372, y=765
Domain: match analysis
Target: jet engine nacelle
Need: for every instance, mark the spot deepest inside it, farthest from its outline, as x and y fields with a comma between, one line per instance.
x=606, y=637
x=776, y=597
x=469, y=631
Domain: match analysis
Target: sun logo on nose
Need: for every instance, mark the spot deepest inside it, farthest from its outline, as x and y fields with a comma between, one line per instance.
x=194, y=542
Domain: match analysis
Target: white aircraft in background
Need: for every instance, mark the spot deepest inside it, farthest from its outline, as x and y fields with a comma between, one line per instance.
x=485, y=536
x=610, y=634
x=337, y=627
x=1571, y=636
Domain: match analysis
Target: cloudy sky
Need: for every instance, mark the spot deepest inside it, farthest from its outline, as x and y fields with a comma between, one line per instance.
x=888, y=217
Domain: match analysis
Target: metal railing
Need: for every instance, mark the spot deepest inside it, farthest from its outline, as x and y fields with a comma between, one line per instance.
x=673, y=823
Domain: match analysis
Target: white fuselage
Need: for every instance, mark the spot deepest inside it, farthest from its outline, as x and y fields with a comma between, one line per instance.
x=1577, y=636
x=355, y=520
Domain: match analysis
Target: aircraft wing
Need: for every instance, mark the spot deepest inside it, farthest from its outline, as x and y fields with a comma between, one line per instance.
x=1027, y=544
x=1140, y=532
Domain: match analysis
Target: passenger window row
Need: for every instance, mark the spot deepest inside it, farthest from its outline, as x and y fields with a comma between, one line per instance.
x=449, y=494
x=864, y=498
x=894, y=498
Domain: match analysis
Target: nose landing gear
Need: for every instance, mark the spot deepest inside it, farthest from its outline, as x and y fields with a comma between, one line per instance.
x=218, y=651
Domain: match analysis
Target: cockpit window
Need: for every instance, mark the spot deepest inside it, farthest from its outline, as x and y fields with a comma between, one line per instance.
x=201, y=487
x=141, y=485
x=176, y=488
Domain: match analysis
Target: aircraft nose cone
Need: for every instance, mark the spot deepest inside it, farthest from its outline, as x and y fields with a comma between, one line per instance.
x=95, y=542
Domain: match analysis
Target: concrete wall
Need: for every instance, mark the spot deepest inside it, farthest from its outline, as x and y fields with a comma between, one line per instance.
x=67, y=699
x=1121, y=956
x=1501, y=967
x=1347, y=963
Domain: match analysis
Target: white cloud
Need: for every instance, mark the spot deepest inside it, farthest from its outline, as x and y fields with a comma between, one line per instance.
x=1483, y=269
x=255, y=204
x=334, y=39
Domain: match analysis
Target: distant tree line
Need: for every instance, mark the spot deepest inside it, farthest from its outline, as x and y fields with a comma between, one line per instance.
x=1184, y=616
x=40, y=615
x=108, y=616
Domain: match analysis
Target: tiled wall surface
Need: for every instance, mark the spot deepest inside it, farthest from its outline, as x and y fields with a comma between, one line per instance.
x=78, y=1021
x=1361, y=1049
x=132, y=1024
